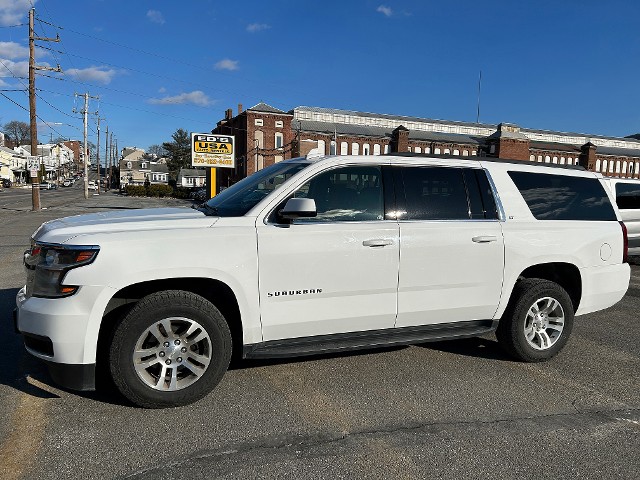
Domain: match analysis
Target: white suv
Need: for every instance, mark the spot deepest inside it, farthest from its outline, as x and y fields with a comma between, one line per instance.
x=324, y=255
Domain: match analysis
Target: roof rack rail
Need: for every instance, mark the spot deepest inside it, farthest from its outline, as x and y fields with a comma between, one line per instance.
x=484, y=159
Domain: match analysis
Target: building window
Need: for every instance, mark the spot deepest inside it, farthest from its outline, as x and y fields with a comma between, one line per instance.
x=618, y=166
x=376, y=149
x=344, y=148
x=611, y=166
x=365, y=149
x=355, y=148
x=279, y=140
x=278, y=158
x=456, y=152
x=128, y=164
x=630, y=169
x=258, y=122
x=604, y=166
x=332, y=148
x=492, y=149
x=436, y=151
x=447, y=151
x=279, y=124
x=555, y=160
x=562, y=160
x=473, y=152
x=418, y=150
x=532, y=158
x=624, y=167
x=598, y=165
x=427, y=150
x=322, y=147
x=386, y=149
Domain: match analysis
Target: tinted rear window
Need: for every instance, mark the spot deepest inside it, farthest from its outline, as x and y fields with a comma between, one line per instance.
x=561, y=197
x=628, y=196
x=435, y=193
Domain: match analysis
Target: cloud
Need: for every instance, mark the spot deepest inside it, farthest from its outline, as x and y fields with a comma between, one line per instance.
x=102, y=75
x=227, y=64
x=155, y=16
x=3, y=83
x=257, y=27
x=196, y=97
x=386, y=11
x=13, y=12
x=10, y=69
x=162, y=90
x=13, y=50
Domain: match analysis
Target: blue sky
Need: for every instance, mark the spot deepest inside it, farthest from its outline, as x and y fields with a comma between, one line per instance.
x=571, y=66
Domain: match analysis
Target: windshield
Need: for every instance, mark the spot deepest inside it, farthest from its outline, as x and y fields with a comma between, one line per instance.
x=238, y=199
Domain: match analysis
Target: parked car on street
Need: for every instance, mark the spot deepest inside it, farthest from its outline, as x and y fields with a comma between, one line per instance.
x=92, y=185
x=322, y=255
x=44, y=185
x=627, y=194
x=68, y=182
x=6, y=183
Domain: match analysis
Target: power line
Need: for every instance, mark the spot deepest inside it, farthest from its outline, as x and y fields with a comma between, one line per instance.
x=13, y=74
x=26, y=110
x=132, y=108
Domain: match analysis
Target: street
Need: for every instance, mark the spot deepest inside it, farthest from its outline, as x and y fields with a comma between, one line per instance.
x=457, y=409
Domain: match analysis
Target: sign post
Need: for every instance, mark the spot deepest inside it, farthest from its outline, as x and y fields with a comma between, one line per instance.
x=213, y=151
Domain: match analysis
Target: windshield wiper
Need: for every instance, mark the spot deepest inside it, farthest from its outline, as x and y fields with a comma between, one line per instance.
x=207, y=209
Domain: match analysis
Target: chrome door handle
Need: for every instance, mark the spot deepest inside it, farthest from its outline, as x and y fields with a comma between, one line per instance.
x=377, y=242
x=485, y=239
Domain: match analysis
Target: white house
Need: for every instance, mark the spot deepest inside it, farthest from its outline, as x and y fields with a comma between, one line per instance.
x=191, y=178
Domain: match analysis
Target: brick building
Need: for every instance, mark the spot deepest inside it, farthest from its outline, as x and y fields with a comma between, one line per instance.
x=266, y=135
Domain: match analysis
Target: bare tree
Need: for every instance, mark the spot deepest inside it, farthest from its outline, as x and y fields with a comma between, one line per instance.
x=18, y=132
x=157, y=150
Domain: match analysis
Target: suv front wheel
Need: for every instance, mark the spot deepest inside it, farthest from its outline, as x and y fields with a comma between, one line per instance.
x=171, y=349
x=537, y=322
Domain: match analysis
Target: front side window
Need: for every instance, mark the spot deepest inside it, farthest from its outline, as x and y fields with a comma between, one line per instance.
x=345, y=194
x=563, y=197
x=434, y=193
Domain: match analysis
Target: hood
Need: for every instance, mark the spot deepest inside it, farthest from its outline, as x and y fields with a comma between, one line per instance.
x=64, y=229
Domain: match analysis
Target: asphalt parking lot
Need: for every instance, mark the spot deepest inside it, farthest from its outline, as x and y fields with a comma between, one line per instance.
x=441, y=410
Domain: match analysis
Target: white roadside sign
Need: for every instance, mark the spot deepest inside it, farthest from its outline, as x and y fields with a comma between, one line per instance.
x=209, y=150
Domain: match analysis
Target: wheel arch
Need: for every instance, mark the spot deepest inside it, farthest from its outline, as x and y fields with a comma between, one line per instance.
x=567, y=275
x=217, y=292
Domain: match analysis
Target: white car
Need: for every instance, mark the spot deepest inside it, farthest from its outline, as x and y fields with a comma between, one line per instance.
x=627, y=195
x=322, y=255
x=92, y=185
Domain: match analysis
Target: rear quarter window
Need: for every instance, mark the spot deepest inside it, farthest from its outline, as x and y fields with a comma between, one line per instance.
x=563, y=197
x=628, y=196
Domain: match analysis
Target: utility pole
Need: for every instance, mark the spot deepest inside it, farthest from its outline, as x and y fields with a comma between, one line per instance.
x=107, y=159
x=113, y=154
x=35, y=181
x=85, y=113
x=98, y=153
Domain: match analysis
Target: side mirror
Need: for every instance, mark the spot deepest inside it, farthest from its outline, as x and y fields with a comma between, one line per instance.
x=298, y=208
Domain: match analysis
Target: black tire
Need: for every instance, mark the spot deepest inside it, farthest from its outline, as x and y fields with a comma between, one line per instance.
x=511, y=328
x=178, y=308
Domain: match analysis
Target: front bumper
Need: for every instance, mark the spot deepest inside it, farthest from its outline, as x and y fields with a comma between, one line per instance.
x=74, y=377
x=63, y=332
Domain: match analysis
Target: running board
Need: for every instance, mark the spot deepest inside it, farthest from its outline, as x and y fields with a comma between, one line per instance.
x=390, y=337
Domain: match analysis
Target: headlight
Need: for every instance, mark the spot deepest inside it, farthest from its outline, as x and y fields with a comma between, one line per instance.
x=47, y=264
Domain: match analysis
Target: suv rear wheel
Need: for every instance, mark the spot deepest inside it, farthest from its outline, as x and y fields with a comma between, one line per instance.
x=171, y=349
x=537, y=322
